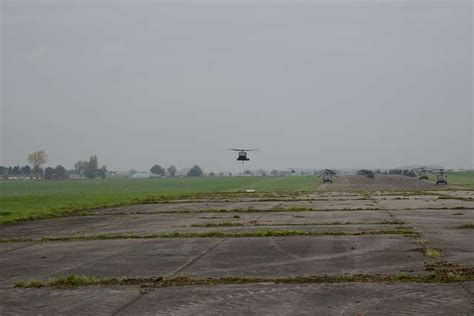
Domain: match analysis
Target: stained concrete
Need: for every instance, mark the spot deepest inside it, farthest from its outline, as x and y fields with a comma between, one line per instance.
x=325, y=217
x=314, y=299
x=266, y=299
x=82, y=301
x=162, y=223
x=112, y=258
x=440, y=229
x=297, y=256
x=248, y=257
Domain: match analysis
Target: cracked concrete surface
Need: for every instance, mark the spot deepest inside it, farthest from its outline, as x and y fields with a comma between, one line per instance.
x=435, y=219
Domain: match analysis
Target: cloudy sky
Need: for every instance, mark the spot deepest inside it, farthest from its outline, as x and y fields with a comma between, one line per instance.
x=313, y=84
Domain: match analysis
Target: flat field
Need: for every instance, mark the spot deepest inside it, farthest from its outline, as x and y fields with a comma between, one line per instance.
x=27, y=200
x=464, y=178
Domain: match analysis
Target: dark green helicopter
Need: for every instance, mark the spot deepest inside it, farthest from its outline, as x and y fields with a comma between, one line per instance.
x=242, y=154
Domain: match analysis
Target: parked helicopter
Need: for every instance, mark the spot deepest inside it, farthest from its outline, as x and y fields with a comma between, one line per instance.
x=439, y=173
x=242, y=154
x=422, y=173
x=327, y=175
x=441, y=177
x=367, y=173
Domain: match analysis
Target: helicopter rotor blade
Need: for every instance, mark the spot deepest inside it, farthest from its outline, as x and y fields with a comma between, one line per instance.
x=236, y=149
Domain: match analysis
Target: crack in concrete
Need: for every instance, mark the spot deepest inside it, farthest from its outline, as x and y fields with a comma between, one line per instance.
x=463, y=285
x=131, y=302
x=219, y=242
x=190, y=262
x=19, y=248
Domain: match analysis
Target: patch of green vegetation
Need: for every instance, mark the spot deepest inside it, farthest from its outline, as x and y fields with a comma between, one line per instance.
x=224, y=234
x=406, y=193
x=454, y=197
x=76, y=280
x=221, y=224
x=295, y=209
x=421, y=242
x=432, y=253
x=29, y=284
x=449, y=269
x=240, y=224
x=31, y=200
x=253, y=210
x=466, y=226
x=70, y=281
x=15, y=240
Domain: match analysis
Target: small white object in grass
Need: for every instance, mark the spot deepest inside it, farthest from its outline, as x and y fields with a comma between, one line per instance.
x=250, y=190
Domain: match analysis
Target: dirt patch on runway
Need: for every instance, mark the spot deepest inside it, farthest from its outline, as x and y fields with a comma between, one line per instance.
x=379, y=183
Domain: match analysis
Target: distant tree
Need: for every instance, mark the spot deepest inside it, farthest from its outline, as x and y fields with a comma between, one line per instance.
x=16, y=171
x=157, y=169
x=26, y=170
x=274, y=172
x=248, y=173
x=36, y=159
x=171, y=171
x=37, y=172
x=102, y=172
x=230, y=174
x=195, y=171
x=132, y=172
x=60, y=173
x=221, y=174
x=212, y=174
x=3, y=172
x=49, y=173
x=80, y=167
x=92, y=167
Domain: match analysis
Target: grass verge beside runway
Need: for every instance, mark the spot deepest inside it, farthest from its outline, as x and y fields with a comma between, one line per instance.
x=29, y=200
x=70, y=281
x=462, y=178
x=221, y=234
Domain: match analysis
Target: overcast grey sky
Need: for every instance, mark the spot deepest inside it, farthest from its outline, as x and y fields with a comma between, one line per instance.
x=312, y=84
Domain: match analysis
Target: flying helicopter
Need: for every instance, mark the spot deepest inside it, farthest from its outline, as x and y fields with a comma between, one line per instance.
x=242, y=154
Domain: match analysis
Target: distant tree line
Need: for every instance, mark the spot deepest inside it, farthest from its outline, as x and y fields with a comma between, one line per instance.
x=88, y=169
x=171, y=171
x=15, y=171
x=58, y=173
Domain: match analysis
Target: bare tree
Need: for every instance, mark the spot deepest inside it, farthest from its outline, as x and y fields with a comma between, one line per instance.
x=36, y=159
x=80, y=167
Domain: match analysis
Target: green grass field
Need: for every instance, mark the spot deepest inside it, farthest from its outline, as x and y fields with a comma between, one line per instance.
x=28, y=200
x=465, y=178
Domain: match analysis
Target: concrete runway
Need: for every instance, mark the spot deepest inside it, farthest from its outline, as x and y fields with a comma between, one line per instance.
x=357, y=233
